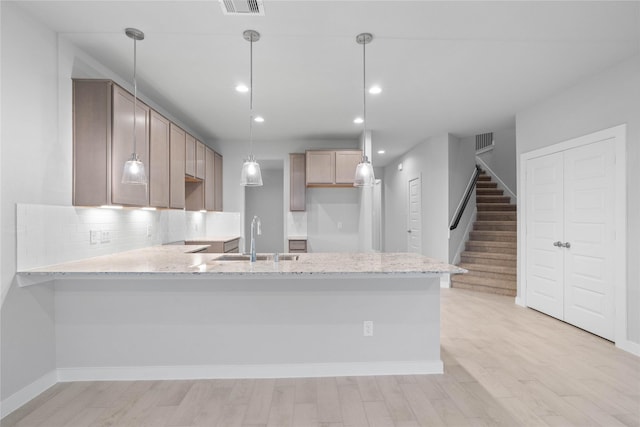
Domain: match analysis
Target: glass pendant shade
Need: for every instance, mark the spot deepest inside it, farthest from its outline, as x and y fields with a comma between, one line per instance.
x=251, y=175
x=364, y=174
x=133, y=172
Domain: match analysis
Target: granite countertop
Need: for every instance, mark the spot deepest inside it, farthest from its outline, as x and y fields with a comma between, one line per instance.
x=157, y=261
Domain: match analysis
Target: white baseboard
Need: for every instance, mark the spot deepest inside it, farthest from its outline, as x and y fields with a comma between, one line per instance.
x=445, y=281
x=301, y=370
x=629, y=346
x=27, y=393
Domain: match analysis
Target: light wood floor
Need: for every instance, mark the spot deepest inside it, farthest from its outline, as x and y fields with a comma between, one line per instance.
x=505, y=365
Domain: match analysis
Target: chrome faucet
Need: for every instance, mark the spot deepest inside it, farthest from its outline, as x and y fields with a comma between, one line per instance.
x=256, y=226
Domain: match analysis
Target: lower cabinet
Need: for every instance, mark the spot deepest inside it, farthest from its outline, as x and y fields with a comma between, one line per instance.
x=219, y=246
x=298, y=245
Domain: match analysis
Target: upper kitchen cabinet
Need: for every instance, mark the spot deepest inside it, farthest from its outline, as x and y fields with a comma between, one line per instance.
x=331, y=168
x=321, y=167
x=190, y=157
x=158, y=161
x=177, y=141
x=297, y=190
x=200, y=160
x=103, y=142
x=346, y=164
x=217, y=198
x=213, y=181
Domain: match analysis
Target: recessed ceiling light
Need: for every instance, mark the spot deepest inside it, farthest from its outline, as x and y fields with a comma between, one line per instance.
x=358, y=120
x=259, y=119
x=242, y=88
x=381, y=151
x=375, y=90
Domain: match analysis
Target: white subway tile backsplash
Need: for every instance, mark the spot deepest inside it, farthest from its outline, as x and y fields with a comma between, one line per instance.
x=48, y=234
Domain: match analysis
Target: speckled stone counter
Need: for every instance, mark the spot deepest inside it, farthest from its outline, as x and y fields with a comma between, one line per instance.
x=164, y=312
x=184, y=260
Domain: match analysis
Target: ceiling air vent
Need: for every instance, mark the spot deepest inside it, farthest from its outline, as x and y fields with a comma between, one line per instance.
x=242, y=7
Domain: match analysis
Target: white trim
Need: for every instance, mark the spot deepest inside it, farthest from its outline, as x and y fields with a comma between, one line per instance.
x=630, y=346
x=501, y=184
x=618, y=133
x=27, y=393
x=445, y=281
x=487, y=148
x=295, y=370
x=520, y=302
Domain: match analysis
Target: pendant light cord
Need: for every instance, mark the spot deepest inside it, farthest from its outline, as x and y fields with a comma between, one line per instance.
x=135, y=94
x=364, y=100
x=251, y=97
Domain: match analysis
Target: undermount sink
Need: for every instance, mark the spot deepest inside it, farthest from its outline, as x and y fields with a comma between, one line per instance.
x=259, y=257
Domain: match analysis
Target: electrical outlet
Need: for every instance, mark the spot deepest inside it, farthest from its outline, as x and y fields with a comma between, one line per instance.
x=106, y=236
x=339, y=225
x=367, y=328
x=94, y=237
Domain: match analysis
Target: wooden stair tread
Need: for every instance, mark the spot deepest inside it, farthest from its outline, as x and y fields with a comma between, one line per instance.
x=489, y=255
x=488, y=268
x=493, y=244
x=471, y=279
x=492, y=198
x=485, y=289
x=490, y=207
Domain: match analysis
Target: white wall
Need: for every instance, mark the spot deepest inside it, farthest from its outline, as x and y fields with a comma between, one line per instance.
x=502, y=159
x=428, y=160
x=38, y=165
x=602, y=101
x=333, y=216
x=461, y=169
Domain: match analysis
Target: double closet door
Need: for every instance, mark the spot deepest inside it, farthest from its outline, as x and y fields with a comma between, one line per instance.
x=570, y=214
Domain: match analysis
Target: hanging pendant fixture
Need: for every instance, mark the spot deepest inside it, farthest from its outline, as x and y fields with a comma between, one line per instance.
x=251, y=175
x=364, y=171
x=133, y=172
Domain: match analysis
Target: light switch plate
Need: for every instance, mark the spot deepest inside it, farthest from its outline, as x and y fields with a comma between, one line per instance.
x=106, y=236
x=94, y=237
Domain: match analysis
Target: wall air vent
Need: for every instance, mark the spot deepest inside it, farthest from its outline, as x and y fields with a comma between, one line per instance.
x=242, y=7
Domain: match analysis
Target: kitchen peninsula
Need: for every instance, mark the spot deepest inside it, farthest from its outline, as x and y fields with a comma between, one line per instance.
x=172, y=312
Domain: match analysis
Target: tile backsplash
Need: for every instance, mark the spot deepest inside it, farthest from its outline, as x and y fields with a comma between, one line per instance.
x=49, y=234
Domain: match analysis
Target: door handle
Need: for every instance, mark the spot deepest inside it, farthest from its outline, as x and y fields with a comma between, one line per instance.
x=567, y=245
x=408, y=231
x=558, y=244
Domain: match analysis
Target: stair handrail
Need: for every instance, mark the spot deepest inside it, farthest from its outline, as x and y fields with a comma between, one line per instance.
x=467, y=195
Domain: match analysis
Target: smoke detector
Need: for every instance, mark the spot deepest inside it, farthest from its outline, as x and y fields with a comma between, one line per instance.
x=242, y=7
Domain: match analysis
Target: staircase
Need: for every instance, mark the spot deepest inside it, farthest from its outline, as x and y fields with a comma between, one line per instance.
x=490, y=252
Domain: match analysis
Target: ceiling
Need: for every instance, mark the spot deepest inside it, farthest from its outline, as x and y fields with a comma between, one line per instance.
x=457, y=67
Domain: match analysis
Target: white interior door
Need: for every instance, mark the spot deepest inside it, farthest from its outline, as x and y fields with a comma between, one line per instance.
x=589, y=192
x=544, y=227
x=414, y=221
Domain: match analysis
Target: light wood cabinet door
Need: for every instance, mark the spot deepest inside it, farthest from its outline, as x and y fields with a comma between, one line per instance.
x=346, y=163
x=159, y=161
x=200, y=160
x=91, y=142
x=297, y=182
x=320, y=167
x=217, y=182
x=190, y=156
x=122, y=147
x=209, y=180
x=177, y=142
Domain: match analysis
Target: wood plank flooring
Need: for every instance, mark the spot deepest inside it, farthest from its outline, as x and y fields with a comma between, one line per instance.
x=504, y=366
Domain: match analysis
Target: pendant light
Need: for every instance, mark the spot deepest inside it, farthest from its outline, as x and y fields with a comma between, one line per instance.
x=133, y=172
x=364, y=170
x=251, y=175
